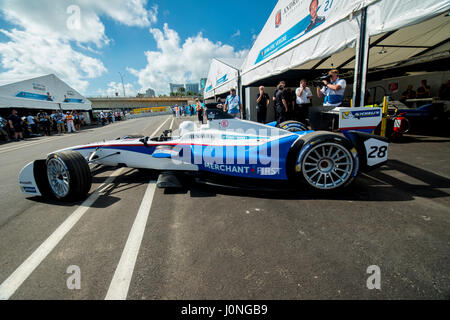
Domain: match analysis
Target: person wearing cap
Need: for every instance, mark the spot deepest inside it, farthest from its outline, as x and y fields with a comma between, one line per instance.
x=333, y=94
x=233, y=105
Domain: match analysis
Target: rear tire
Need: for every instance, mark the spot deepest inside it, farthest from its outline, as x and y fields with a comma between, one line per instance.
x=69, y=176
x=326, y=162
x=293, y=126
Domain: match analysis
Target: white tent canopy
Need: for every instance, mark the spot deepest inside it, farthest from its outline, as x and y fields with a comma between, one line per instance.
x=32, y=94
x=223, y=76
x=406, y=29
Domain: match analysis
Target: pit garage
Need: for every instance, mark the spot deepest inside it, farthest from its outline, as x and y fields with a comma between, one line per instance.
x=379, y=47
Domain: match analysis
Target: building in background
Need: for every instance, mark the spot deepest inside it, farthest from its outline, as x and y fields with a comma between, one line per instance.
x=174, y=88
x=192, y=87
x=150, y=93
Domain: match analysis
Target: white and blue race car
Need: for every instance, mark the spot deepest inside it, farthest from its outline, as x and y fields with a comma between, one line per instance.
x=223, y=147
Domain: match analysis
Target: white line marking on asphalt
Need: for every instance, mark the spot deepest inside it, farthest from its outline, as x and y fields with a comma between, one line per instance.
x=171, y=124
x=160, y=127
x=17, y=278
x=29, y=144
x=120, y=284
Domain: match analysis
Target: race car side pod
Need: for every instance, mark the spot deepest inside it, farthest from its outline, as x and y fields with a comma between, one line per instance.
x=373, y=150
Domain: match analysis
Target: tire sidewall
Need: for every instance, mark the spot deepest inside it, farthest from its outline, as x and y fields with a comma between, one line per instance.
x=78, y=173
x=318, y=139
x=290, y=125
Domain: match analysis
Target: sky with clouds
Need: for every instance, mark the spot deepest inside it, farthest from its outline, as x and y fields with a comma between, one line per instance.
x=87, y=43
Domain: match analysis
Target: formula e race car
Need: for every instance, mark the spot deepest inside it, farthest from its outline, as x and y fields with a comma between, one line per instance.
x=223, y=147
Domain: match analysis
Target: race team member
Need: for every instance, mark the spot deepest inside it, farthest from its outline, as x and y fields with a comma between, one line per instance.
x=233, y=105
x=281, y=106
x=70, y=125
x=302, y=102
x=199, y=110
x=32, y=123
x=59, y=118
x=44, y=122
x=15, y=124
x=333, y=92
x=262, y=103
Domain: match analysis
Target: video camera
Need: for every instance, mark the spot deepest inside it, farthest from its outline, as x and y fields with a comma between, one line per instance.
x=319, y=81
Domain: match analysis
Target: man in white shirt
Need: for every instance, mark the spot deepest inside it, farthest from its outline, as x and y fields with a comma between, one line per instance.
x=303, y=101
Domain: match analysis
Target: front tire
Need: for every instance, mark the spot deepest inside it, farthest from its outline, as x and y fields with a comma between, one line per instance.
x=69, y=176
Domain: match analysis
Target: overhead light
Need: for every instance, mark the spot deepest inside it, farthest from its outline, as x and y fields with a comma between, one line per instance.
x=383, y=51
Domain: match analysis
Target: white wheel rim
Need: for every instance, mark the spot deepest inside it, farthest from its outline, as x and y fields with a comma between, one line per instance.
x=58, y=177
x=328, y=166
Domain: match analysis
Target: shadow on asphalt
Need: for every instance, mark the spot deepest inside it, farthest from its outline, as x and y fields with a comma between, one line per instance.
x=384, y=184
x=417, y=139
x=375, y=186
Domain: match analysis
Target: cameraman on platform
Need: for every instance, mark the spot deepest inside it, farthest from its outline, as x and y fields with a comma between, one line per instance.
x=333, y=91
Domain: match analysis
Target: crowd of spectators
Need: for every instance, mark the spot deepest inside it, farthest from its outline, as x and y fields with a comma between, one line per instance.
x=105, y=118
x=18, y=127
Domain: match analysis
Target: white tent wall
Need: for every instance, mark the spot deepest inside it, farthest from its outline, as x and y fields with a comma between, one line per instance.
x=388, y=15
x=39, y=87
x=222, y=77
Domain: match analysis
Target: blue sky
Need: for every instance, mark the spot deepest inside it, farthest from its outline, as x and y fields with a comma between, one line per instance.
x=180, y=37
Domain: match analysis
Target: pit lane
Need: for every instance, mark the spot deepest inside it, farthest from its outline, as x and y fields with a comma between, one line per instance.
x=208, y=242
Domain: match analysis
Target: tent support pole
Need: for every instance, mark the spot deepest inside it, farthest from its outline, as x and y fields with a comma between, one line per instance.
x=362, y=62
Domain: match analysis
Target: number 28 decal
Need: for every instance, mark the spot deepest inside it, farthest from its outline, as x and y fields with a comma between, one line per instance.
x=377, y=151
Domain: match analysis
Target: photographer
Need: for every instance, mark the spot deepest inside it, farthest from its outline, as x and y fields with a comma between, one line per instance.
x=333, y=93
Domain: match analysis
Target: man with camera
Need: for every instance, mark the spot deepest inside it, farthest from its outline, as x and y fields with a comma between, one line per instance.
x=332, y=91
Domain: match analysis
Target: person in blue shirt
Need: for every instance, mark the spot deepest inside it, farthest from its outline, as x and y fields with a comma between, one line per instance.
x=333, y=94
x=233, y=105
x=333, y=91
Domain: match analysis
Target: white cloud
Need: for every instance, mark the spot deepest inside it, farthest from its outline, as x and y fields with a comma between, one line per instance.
x=236, y=34
x=116, y=87
x=27, y=55
x=177, y=62
x=47, y=30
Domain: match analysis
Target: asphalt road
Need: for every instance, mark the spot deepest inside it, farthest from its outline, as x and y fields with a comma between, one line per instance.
x=138, y=242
